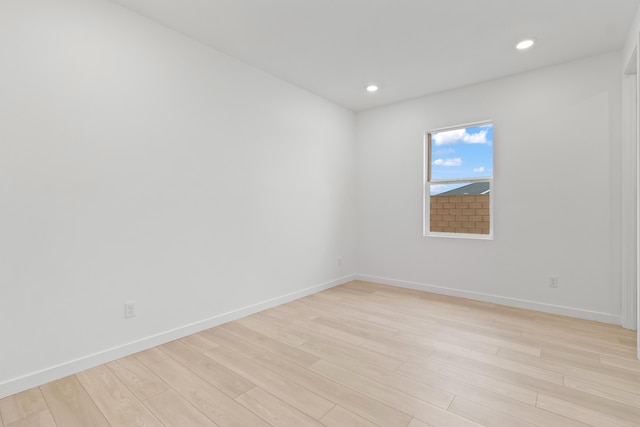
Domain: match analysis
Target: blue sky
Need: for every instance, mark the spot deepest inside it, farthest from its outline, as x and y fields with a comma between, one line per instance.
x=462, y=153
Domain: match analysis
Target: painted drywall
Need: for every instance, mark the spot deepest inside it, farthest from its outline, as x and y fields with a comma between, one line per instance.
x=632, y=40
x=556, y=188
x=631, y=180
x=138, y=165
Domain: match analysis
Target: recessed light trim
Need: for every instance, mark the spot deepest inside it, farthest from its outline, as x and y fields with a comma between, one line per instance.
x=525, y=44
x=372, y=88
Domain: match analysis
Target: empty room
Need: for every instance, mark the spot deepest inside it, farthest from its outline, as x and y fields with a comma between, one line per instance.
x=319, y=213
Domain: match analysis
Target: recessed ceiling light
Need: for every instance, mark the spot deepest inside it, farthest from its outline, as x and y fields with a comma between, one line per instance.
x=372, y=88
x=525, y=44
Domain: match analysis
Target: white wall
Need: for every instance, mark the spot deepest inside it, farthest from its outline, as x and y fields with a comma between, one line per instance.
x=557, y=192
x=631, y=178
x=632, y=40
x=136, y=164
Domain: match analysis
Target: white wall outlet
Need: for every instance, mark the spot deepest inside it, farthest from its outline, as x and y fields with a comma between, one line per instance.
x=339, y=262
x=554, y=281
x=130, y=309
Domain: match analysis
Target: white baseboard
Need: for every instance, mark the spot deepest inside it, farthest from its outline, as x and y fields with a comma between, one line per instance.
x=71, y=367
x=512, y=302
x=16, y=385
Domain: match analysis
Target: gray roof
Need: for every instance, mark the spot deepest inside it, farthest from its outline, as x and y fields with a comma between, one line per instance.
x=475, y=188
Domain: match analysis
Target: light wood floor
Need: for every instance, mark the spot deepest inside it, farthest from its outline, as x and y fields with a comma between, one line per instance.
x=360, y=355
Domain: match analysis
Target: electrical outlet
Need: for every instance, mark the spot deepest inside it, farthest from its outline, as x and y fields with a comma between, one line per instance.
x=554, y=281
x=339, y=262
x=130, y=309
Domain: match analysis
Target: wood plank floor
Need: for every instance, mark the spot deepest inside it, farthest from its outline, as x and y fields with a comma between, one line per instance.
x=360, y=354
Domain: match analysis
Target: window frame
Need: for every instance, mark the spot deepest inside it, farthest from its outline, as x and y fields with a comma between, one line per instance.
x=427, y=182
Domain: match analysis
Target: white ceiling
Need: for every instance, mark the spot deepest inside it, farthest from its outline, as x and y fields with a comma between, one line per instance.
x=334, y=48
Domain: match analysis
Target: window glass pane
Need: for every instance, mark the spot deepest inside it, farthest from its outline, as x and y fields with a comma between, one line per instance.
x=463, y=209
x=436, y=189
x=462, y=153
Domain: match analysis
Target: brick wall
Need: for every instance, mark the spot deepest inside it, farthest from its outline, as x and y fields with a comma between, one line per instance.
x=460, y=214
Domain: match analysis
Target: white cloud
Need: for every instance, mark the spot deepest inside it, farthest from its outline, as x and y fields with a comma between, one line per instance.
x=480, y=169
x=460, y=135
x=476, y=138
x=438, y=188
x=448, y=162
x=444, y=151
x=449, y=137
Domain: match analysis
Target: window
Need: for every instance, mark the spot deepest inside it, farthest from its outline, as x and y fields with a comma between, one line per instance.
x=459, y=181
